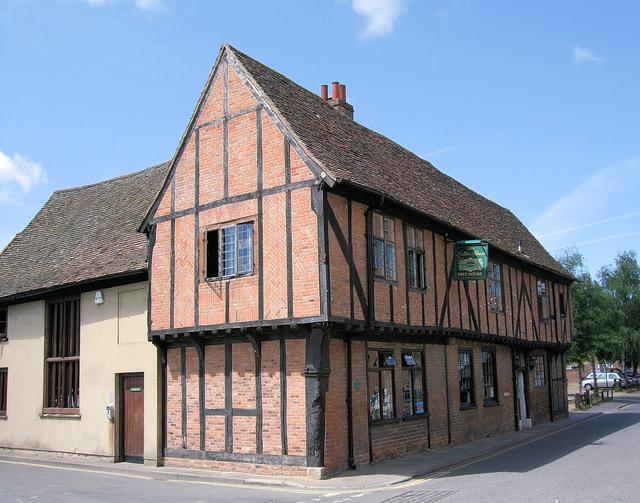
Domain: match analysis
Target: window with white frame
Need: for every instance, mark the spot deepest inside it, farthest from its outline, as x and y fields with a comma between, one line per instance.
x=489, y=375
x=384, y=247
x=543, y=301
x=465, y=376
x=416, y=257
x=381, y=382
x=494, y=284
x=229, y=251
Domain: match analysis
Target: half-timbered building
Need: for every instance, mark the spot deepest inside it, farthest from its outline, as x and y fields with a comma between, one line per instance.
x=302, y=294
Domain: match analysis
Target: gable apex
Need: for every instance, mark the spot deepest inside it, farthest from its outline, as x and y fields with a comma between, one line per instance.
x=227, y=56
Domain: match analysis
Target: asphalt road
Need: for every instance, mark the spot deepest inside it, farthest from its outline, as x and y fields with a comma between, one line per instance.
x=593, y=461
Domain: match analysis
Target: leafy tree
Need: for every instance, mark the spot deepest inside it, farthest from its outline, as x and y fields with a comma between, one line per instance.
x=622, y=283
x=595, y=316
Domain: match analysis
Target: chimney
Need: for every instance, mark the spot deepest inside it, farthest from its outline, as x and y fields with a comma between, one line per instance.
x=338, y=99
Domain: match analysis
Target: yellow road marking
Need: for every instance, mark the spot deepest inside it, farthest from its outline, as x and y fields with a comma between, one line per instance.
x=71, y=469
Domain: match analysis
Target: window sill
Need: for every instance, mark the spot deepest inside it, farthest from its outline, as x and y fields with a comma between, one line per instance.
x=495, y=311
x=469, y=406
x=72, y=414
x=381, y=422
x=418, y=289
x=491, y=403
x=415, y=417
x=3, y=417
x=385, y=281
x=226, y=278
x=4, y=338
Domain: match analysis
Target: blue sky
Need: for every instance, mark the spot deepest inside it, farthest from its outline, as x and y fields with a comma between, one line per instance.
x=535, y=105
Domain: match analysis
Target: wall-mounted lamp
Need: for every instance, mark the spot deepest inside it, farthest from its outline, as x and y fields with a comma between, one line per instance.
x=99, y=298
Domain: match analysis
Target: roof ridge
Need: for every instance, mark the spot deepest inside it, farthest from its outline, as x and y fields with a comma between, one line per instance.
x=109, y=180
x=355, y=123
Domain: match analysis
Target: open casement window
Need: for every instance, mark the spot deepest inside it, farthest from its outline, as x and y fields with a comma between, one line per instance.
x=489, y=375
x=413, y=388
x=465, y=376
x=3, y=323
x=3, y=392
x=229, y=251
x=538, y=371
x=62, y=358
x=494, y=279
x=381, y=383
x=543, y=301
x=384, y=247
x=416, y=258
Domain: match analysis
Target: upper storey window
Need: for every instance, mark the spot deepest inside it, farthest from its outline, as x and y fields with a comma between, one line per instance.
x=543, y=301
x=229, y=251
x=3, y=323
x=384, y=247
x=494, y=277
x=415, y=257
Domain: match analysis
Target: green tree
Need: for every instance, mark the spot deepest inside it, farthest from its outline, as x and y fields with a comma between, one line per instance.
x=622, y=283
x=595, y=317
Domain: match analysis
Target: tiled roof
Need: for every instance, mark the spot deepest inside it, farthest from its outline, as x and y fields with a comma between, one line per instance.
x=82, y=234
x=351, y=153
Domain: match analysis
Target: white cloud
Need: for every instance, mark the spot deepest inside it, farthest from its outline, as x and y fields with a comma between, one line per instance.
x=18, y=175
x=381, y=15
x=584, y=55
x=589, y=205
x=150, y=6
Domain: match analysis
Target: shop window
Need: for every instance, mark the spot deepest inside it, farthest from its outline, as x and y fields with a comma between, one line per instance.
x=465, y=375
x=384, y=247
x=413, y=391
x=494, y=278
x=381, y=383
x=543, y=301
x=229, y=251
x=538, y=371
x=489, y=375
x=416, y=258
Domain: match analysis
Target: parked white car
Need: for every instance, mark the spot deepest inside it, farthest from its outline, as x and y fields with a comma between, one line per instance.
x=605, y=380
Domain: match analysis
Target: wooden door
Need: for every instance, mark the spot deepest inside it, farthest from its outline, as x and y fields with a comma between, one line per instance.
x=132, y=393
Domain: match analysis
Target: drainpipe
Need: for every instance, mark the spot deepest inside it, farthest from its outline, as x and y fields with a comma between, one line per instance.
x=516, y=412
x=549, y=386
x=351, y=461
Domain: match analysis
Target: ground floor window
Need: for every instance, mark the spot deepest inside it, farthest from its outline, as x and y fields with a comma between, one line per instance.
x=413, y=390
x=489, y=375
x=62, y=357
x=538, y=371
x=381, y=383
x=3, y=391
x=465, y=376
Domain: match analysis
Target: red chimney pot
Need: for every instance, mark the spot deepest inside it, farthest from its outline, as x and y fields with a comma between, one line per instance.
x=343, y=92
x=324, y=92
x=335, y=90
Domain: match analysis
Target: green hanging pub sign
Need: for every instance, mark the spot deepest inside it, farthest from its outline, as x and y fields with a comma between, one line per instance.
x=471, y=259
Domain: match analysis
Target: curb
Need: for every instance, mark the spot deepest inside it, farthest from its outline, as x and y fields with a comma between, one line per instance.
x=158, y=474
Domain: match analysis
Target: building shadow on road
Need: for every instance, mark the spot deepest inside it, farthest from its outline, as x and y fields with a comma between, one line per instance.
x=545, y=450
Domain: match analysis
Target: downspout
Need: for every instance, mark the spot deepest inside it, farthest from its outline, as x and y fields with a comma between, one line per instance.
x=516, y=412
x=350, y=460
x=446, y=384
x=549, y=386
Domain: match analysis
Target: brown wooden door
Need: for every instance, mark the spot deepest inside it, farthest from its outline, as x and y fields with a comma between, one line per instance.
x=133, y=417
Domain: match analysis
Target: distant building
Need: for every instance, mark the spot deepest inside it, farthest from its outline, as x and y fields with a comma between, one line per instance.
x=302, y=295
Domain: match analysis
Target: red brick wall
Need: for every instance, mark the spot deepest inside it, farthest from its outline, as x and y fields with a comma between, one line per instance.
x=244, y=397
x=243, y=175
x=482, y=421
x=428, y=304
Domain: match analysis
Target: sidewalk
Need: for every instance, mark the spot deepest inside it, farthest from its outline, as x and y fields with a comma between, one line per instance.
x=384, y=473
